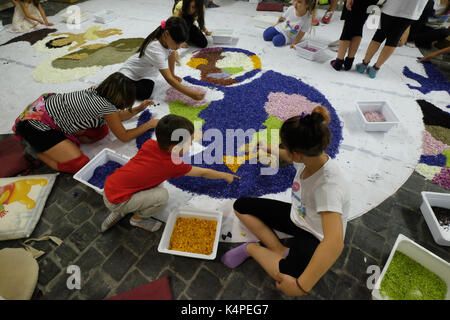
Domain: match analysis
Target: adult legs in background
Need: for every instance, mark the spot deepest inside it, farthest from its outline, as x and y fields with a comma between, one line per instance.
x=329, y=13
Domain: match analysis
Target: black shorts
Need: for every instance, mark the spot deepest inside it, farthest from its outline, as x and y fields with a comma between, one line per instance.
x=277, y=215
x=391, y=29
x=39, y=140
x=355, y=19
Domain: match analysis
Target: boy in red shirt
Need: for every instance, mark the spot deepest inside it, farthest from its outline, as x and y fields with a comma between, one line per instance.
x=135, y=187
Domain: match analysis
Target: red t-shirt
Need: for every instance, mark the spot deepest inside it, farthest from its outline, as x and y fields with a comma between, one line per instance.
x=150, y=167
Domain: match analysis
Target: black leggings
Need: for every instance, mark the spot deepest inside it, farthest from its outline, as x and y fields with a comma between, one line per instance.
x=277, y=215
x=355, y=19
x=391, y=29
x=144, y=88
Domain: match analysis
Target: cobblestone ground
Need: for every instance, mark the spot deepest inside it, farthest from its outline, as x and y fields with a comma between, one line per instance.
x=125, y=257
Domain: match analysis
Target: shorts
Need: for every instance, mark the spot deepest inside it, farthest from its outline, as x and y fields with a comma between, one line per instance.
x=355, y=19
x=39, y=140
x=277, y=215
x=391, y=29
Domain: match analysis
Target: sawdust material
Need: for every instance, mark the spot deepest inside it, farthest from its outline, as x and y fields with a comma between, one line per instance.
x=116, y=52
x=440, y=133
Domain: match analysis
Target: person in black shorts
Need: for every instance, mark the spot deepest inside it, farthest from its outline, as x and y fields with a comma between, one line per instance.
x=396, y=17
x=354, y=14
x=316, y=217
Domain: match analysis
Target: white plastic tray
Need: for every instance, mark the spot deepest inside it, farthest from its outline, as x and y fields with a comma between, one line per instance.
x=421, y=255
x=435, y=199
x=307, y=54
x=222, y=36
x=101, y=158
x=105, y=16
x=190, y=213
x=379, y=106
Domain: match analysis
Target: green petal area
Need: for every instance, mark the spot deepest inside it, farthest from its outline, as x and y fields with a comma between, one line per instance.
x=406, y=279
x=439, y=133
x=447, y=154
x=272, y=123
x=116, y=52
x=181, y=109
x=233, y=70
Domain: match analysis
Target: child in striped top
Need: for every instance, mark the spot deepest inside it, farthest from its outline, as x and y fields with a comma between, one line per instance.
x=53, y=126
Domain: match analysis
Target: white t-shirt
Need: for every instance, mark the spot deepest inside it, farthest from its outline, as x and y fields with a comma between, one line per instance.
x=155, y=58
x=325, y=190
x=409, y=9
x=292, y=24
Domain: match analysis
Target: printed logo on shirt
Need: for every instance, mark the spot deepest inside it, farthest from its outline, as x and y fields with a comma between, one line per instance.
x=296, y=186
x=301, y=210
x=293, y=30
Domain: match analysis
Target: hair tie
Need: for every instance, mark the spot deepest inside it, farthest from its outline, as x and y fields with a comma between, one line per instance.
x=163, y=24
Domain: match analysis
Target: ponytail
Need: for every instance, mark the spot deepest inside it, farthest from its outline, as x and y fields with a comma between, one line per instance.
x=156, y=34
x=177, y=29
x=308, y=135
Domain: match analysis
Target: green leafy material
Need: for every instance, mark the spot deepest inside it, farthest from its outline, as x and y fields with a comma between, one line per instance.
x=406, y=279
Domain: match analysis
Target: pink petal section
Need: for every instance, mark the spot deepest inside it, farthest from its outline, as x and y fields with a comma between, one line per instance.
x=431, y=146
x=285, y=106
x=443, y=178
x=173, y=95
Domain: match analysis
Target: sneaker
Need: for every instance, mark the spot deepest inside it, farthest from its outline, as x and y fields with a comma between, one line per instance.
x=212, y=5
x=362, y=67
x=111, y=220
x=372, y=71
x=150, y=224
x=315, y=22
x=327, y=17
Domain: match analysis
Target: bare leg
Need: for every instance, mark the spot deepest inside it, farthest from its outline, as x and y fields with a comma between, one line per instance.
x=384, y=55
x=343, y=47
x=266, y=258
x=333, y=5
x=371, y=50
x=354, y=45
x=62, y=152
x=263, y=233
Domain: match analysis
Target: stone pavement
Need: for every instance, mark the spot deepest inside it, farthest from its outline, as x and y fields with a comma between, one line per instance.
x=125, y=257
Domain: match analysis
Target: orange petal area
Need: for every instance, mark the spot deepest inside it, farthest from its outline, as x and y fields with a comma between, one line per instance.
x=234, y=163
x=256, y=62
x=195, y=62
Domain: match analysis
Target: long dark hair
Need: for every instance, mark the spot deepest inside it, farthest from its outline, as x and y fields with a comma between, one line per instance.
x=119, y=90
x=308, y=135
x=199, y=11
x=177, y=28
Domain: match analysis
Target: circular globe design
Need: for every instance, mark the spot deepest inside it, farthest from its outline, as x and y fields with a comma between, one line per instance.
x=224, y=66
x=256, y=105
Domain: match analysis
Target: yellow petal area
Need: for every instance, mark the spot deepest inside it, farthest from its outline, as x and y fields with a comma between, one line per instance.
x=256, y=62
x=234, y=163
x=4, y=196
x=76, y=56
x=195, y=62
x=93, y=33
